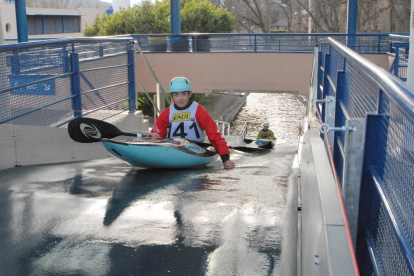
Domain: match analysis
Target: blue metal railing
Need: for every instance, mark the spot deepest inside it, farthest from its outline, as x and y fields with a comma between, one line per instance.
x=258, y=42
x=399, y=50
x=385, y=106
x=66, y=78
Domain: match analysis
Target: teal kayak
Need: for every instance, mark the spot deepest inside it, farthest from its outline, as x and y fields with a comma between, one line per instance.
x=266, y=143
x=164, y=154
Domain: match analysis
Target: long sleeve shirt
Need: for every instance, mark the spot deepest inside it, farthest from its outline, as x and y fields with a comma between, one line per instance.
x=206, y=124
x=265, y=134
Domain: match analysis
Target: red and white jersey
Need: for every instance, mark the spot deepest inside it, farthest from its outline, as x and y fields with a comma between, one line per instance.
x=204, y=123
x=183, y=124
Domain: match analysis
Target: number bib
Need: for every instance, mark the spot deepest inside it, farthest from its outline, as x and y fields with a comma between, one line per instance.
x=183, y=124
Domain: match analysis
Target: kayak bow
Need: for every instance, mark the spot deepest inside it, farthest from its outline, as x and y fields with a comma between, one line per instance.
x=164, y=154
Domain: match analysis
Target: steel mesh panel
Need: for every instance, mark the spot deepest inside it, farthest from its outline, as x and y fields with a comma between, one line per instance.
x=42, y=76
x=393, y=158
x=398, y=174
x=362, y=92
x=337, y=65
x=375, y=220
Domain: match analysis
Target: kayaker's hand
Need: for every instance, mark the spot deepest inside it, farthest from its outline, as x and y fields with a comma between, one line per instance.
x=155, y=135
x=229, y=164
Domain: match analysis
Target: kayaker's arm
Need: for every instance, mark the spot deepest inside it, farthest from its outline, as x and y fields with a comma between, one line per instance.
x=214, y=136
x=161, y=125
x=259, y=136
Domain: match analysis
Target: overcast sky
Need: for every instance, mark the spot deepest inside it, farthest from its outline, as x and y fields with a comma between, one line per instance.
x=133, y=2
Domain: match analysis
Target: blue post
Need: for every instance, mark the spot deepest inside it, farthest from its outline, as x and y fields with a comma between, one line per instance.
x=352, y=22
x=132, y=99
x=175, y=17
x=75, y=85
x=21, y=21
x=15, y=63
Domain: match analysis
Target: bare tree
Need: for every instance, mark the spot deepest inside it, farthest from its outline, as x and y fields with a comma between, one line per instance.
x=400, y=15
x=325, y=15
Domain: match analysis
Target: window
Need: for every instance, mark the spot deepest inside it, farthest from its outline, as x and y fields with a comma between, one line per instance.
x=50, y=24
x=72, y=24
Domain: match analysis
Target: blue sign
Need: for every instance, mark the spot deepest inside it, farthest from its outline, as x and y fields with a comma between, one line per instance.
x=39, y=88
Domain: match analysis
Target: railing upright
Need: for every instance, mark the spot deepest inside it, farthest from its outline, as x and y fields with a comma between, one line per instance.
x=75, y=85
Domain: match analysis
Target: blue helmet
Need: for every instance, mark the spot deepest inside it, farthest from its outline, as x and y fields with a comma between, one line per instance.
x=180, y=84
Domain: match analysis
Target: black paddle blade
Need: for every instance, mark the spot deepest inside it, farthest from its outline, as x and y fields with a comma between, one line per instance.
x=87, y=130
x=248, y=141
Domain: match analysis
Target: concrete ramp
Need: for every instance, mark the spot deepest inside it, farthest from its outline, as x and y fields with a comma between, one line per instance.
x=104, y=217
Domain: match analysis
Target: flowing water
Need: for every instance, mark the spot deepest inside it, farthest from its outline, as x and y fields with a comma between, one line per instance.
x=103, y=217
x=283, y=111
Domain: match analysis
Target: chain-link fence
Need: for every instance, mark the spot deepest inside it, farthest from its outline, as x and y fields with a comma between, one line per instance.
x=49, y=83
x=363, y=43
x=384, y=106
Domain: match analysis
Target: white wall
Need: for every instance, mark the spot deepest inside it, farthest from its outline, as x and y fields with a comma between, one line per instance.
x=116, y=4
x=8, y=17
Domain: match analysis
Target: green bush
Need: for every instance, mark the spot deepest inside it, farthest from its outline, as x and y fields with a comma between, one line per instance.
x=154, y=18
x=201, y=16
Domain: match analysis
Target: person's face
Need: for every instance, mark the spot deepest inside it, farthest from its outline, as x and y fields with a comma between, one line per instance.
x=181, y=98
x=265, y=127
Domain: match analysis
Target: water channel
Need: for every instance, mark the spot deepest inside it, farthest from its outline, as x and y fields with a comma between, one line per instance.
x=284, y=112
x=104, y=217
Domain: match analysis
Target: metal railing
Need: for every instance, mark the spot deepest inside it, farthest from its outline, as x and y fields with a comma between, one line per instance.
x=259, y=42
x=369, y=115
x=223, y=127
x=49, y=83
x=243, y=131
x=399, y=50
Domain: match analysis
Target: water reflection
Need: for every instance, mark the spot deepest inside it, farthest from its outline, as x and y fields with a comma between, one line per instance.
x=282, y=110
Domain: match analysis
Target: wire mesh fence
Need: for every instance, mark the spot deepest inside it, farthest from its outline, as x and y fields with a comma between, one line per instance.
x=364, y=43
x=49, y=83
x=384, y=105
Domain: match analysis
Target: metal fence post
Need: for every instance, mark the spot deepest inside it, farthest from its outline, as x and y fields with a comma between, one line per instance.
x=75, y=85
x=131, y=81
x=351, y=173
x=15, y=63
x=330, y=106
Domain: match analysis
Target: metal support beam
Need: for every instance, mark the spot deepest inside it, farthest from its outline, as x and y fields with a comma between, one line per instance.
x=352, y=22
x=352, y=16
x=352, y=171
x=175, y=17
x=410, y=70
x=21, y=21
x=330, y=105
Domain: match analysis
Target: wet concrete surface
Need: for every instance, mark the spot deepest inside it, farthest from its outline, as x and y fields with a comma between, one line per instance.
x=105, y=217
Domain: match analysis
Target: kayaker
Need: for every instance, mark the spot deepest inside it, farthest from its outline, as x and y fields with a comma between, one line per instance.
x=265, y=133
x=190, y=120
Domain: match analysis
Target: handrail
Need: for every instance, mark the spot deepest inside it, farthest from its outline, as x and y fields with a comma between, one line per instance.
x=224, y=126
x=152, y=72
x=265, y=34
x=402, y=95
x=19, y=46
x=244, y=130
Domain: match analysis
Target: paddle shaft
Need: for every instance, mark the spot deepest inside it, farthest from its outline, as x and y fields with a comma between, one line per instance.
x=88, y=130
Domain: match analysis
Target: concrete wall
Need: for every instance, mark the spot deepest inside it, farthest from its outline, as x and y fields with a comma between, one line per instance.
x=28, y=145
x=234, y=71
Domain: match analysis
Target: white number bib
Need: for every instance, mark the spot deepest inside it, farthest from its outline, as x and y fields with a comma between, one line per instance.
x=183, y=124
